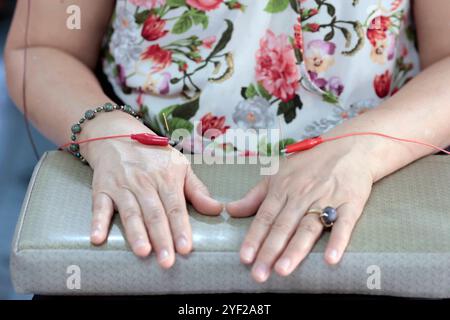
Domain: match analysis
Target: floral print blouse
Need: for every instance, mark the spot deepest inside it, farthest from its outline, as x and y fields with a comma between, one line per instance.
x=299, y=66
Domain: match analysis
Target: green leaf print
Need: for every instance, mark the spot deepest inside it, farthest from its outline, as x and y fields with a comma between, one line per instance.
x=275, y=6
x=200, y=17
x=224, y=39
x=176, y=3
x=140, y=17
x=288, y=109
x=250, y=92
x=183, y=24
x=294, y=5
x=179, y=123
x=263, y=92
x=186, y=110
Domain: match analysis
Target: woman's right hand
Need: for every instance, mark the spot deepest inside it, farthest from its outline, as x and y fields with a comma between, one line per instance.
x=146, y=185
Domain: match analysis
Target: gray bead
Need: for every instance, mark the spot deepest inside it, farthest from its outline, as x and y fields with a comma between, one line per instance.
x=76, y=128
x=127, y=109
x=90, y=114
x=108, y=107
x=74, y=147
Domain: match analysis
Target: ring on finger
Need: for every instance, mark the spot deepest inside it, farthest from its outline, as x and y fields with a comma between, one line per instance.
x=327, y=216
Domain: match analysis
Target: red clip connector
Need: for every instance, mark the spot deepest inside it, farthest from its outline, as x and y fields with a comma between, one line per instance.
x=303, y=145
x=150, y=139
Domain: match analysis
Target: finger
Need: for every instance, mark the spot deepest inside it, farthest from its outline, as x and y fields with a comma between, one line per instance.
x=260, y=226
x=309, y=230
x=102, y=212
x=250, y=203
x=132, y=221
x=347, y=216
x=197, y=193
x=282, y=230
x=158, y=227
x=176, y=211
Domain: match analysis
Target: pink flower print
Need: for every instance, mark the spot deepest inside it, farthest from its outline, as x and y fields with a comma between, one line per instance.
x=209, y=42
x=204, y=5
x=276, y=68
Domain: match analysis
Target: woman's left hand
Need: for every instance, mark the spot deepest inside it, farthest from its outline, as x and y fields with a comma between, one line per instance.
x=335, y=174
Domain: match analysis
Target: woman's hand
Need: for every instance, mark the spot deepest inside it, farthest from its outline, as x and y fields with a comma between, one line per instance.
x=334, y=174
x=147, y=185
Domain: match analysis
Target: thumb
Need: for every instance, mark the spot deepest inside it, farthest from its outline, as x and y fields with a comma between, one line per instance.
x=250, y=203
x=197, y=193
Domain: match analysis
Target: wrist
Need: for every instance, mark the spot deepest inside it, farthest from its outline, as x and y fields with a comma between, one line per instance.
x=107, y=124
x=363, y=150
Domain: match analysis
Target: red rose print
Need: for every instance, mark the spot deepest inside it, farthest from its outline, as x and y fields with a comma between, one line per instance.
x=211, y=126
x=312, y=27
x=382, y=84
x=153, y=28
x=378, y=28
x=204, y=5
x=162, y=58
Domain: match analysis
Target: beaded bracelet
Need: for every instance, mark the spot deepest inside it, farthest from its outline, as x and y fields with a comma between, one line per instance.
x=74, y=148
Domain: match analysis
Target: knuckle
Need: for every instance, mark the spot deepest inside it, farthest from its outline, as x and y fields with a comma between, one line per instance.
x=152, y=206
x=153, y=219
x=131, y=213
x=98, y=201
x=174, y=211
x=278, y=196
x=265, y=218
x=309, y=227
x=281, y=226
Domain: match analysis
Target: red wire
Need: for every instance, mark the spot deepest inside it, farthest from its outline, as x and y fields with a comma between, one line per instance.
x=323, y=140
x=386, y=136
x=96, y=139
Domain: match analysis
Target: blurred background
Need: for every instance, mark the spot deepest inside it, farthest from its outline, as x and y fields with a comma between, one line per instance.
x=16, y=161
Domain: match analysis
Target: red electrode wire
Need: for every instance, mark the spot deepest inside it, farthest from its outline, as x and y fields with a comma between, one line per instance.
x=143, y=138
x=155, y=140
x=312, y=142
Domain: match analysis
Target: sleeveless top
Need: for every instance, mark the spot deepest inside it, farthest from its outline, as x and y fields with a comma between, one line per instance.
x=299, y=67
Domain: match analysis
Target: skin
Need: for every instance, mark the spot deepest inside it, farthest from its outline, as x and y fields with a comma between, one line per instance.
x=149, y=190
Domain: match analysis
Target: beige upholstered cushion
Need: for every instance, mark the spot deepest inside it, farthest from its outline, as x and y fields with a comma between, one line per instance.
x=401, y=245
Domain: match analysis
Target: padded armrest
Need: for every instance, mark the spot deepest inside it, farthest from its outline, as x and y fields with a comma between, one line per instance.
x=403, y=236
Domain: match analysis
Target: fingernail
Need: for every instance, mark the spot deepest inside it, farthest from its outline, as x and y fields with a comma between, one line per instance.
x=333, y=256
x=283, y=265
x=96, y=231
x=247, y=254
x=182, y=243
x=261, y=272
x=163, y=255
